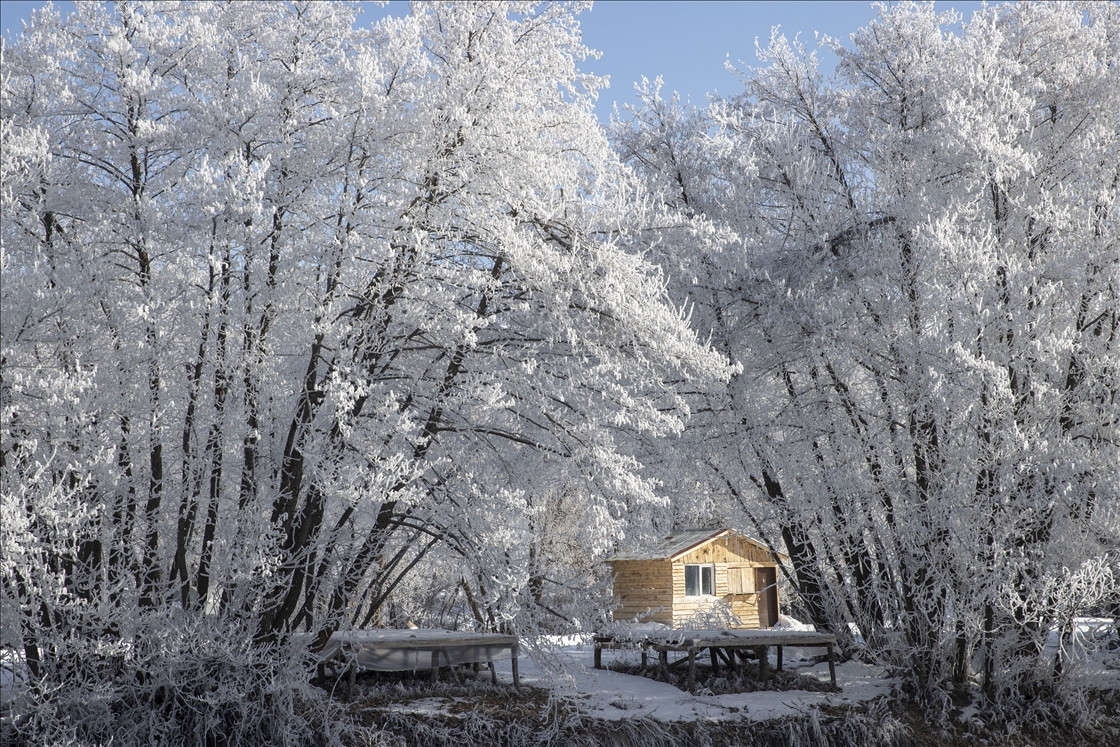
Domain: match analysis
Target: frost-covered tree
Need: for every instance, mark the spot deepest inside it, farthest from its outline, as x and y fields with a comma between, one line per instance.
x=289, y=311
x=916, y=263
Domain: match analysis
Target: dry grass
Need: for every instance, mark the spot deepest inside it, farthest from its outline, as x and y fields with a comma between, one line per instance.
x=725, y=681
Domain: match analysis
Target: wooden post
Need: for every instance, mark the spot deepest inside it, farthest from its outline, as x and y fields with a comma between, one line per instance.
x=452, y=668
x=598, y=656
x=763, y=654
x=715, y=659
x=831, y=665
x=493, y=673
x=645, y=660
x=663, y=661
x=435, y=665
x=779, y=667
x=692, y=670
x=351, y=679
x=513, y=664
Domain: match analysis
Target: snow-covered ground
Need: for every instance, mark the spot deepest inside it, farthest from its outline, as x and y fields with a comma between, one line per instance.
x=613, y=695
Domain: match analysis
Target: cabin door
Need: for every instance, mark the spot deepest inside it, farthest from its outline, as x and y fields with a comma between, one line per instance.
x=766, y=584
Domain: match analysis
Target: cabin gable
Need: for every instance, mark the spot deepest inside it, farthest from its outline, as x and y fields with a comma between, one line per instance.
x=730, y=548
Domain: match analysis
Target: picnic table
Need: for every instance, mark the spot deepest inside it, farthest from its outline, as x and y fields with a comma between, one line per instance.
x=725, y=643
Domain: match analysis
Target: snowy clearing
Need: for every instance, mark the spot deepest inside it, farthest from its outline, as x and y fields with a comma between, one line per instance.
x=613, y=695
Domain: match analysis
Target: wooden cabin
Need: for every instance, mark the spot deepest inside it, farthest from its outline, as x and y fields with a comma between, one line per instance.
x=691, y=571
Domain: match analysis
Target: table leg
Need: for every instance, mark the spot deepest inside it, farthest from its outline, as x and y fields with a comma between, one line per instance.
x=831, y=665
x=435, y=665
x=645, y=661
x=763, y=654
x=779, y=667
x=516, y=675
x=598, y=656
x=715, y=660
x=692, y=670
x=452, y=668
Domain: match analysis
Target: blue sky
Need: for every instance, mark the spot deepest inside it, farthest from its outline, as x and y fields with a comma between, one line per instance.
x=684, y=42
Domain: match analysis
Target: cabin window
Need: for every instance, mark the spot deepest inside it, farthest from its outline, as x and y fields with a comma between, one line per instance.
x=699, y=580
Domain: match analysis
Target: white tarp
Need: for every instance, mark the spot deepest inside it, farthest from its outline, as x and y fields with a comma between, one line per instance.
x=401, y=650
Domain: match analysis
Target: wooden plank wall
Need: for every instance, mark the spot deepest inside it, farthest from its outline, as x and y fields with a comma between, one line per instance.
x=744, y=606
x=642, y=585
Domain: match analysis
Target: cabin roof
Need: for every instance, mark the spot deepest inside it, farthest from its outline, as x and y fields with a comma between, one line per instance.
x=681, y=543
